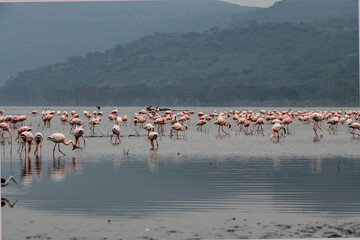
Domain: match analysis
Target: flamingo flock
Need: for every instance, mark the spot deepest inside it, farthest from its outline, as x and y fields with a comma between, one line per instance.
x=155, y=122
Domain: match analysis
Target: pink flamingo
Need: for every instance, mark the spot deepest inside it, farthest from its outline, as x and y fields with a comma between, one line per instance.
x=221, y=121
x=79, y=132
x=142, y=120
x=94, y=121
x=47, y=119
x=153, y=136
x=75, y=122
x=21, y=130
x=333, y=123
x=64, y=118
x=260, y=121
x=317, y=117
x=58, y=138
x=5, y=127
x=178, y=127
x=287, y=121
x=38, y=138
x=27, y=137
x=200, y=123
x=125, y=118
x=118, y=121
x=116, y=131
x=149, y=127
x=275, y=130
x=22, y=118
x=353, y=127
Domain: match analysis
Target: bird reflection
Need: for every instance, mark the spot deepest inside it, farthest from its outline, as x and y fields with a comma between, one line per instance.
x=5, y=201
x=276, y=162
x=76, y=165
x=58, y=170
x=153, y=161
x=38, y=167
x=315, y=164
x=26, y=175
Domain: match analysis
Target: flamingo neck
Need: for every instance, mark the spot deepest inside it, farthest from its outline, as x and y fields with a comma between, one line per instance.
x=70, y=141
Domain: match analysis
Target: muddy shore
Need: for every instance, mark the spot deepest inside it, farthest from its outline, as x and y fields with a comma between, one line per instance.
x=38, y=225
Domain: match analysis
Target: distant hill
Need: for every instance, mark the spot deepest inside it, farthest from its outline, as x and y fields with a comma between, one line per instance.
x=273, y=63
x=38, y=34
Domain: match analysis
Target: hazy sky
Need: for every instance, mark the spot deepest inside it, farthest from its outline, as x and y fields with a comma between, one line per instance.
x=253, y=3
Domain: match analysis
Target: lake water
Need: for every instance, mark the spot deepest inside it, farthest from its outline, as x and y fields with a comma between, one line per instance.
x=199, y=172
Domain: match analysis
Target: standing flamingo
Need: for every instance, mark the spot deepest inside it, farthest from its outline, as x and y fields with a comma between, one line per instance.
x=79, y=132
x=38, y=138
x=75, y=122
x=200, y=123
x=116, y=131
x=221, y=121
x=58, y=138
x=21, y=130
x=178, y=127
x=27, y=137
x=5, y=127
x=153, y=136
x=276, y=130
x=149, y=127
x=317, y=117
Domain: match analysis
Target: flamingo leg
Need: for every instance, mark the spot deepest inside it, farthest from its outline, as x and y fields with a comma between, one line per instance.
x=315, y=128
x=319, y=125
x=60, y=150
x=157, y=144
x=222, y=128
x=54, y=150
x=84, y=140
x=118, y=137
x=152, y=144
x=29, y=149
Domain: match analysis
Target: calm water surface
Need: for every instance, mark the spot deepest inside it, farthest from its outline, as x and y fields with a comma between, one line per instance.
x=198, y=172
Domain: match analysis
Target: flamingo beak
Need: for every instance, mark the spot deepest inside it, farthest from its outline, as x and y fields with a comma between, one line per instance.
x=74, y=147
x=14, y=181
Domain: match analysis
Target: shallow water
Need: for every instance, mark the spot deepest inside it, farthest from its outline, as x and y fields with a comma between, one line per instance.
x=197, y=172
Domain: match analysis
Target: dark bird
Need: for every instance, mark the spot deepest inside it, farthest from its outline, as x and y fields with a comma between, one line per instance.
x=5, y=182
x=4, y=202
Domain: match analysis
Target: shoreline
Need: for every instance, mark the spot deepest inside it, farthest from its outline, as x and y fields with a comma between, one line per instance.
x=198, y=225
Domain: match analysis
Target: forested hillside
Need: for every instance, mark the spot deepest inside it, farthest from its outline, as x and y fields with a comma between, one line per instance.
x=262, y=64
x=38, y=34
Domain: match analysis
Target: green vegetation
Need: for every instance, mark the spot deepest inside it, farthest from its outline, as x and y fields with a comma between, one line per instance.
x=262, y=64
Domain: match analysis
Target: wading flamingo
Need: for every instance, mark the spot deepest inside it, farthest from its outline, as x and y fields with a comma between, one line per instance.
x=178, y=127
x=78, y=133
x=38, y=138
x=58, y=138
x=153, y=136
x=27, y=137
x=5, y=127
x=116, y=131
